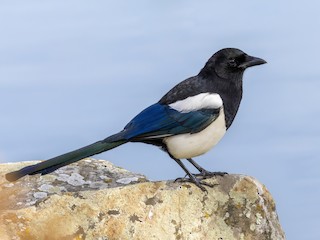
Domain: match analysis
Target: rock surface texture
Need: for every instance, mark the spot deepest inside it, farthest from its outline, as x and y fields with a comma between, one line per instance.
x=93, y=199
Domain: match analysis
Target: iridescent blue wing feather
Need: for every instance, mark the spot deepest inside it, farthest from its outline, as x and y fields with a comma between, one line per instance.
x=158, y=121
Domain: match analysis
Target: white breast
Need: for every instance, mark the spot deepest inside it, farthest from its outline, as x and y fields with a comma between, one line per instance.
x=192, y=145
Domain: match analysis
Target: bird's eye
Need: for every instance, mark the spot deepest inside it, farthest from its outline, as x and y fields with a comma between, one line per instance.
x=232, y=62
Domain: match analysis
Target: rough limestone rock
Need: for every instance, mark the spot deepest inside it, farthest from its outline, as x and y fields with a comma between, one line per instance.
x=93, y=199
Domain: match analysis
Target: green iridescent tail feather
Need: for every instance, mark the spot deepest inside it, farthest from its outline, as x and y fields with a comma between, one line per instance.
x=52, y=164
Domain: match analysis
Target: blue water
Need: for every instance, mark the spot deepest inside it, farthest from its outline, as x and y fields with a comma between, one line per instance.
x=73, y=73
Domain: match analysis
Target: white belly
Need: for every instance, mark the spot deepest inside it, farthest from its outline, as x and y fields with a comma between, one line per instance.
x=191, y=145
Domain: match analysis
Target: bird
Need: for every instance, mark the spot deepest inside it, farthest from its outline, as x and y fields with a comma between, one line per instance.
x=186, y=122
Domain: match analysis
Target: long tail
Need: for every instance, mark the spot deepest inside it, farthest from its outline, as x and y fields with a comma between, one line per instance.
x=67, y=158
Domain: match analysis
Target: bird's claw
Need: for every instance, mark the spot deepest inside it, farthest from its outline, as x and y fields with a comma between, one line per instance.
x=181, y=179
x=198, y=182
x=207, y=174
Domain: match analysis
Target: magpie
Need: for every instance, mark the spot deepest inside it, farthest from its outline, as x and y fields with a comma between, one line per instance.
x=186, y=122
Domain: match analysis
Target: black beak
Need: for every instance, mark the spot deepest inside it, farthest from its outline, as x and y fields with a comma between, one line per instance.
x=252, y=61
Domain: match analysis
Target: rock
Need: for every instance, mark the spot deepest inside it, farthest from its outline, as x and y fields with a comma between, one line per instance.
x=93, y=199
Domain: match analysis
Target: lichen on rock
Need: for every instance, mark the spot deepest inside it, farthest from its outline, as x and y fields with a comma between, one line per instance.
x=93, y=199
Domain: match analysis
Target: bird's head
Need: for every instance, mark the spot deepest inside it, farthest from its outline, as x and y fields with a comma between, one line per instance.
x=228, y=63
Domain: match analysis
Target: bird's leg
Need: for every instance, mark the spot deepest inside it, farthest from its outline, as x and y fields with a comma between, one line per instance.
x=204, y=173
x=191, y=178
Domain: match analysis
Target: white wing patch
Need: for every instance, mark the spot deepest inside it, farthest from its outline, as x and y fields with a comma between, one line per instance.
x=197, y=102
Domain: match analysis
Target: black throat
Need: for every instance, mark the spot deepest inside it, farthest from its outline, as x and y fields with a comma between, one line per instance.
x=230, y=90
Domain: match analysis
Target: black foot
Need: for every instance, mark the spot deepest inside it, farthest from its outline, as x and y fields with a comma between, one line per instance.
x=199, y=183
x=207, y=174
x=204, y=173
x=191, y=178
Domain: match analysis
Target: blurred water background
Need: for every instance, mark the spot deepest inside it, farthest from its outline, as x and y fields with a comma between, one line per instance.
x=74, y=72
